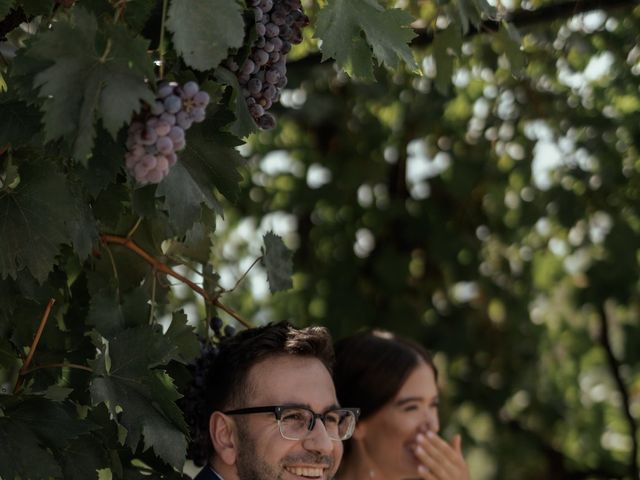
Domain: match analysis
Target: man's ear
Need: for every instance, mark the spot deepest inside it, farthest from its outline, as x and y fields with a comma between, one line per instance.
x=222, y=434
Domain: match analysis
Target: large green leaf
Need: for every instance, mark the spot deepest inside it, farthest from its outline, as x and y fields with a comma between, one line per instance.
x=34, y=221
x=205, y=30
x=110, y=317
x=209, y=162
x=83, y=83
x=277, y=260
x=341, y=24
x=142, y=399
x=83, y=457
x=50, y=421
x=22, y=454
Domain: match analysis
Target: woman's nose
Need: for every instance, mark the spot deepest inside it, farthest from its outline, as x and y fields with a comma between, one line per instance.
x=431, y=422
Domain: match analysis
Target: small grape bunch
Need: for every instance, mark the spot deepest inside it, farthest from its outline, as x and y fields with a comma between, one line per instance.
x=263, y=74
x=159, y=133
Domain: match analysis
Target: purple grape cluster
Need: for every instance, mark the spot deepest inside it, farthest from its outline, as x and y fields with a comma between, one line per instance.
x=194, y=403
x=159, y=133
x=263, y=74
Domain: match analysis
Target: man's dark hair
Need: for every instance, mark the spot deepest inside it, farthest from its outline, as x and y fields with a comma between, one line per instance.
x=224, y=384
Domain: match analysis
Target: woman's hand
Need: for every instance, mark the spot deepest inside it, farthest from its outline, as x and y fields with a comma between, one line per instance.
x=440, y=460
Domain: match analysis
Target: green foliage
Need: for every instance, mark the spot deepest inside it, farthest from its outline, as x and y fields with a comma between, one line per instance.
x=347, y=26
x=81, y=84
x=97, y=263
x=487, y=207
x=35, y=227
x=204, y=31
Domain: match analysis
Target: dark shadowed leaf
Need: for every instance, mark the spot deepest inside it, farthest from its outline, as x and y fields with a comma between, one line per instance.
x=278, y=263
x=20, y=449
x=33, y=225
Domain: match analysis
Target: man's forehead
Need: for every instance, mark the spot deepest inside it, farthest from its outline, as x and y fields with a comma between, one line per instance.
x=291, y=379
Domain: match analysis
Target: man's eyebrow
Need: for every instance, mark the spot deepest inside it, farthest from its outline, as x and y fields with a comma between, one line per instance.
x=307, y=406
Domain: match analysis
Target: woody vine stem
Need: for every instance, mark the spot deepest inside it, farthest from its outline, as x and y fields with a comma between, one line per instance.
x=163, y=268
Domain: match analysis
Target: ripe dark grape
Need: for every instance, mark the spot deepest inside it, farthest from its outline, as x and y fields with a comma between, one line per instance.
x=216, y=324
x=158, y=133
x=278, y=25
x=229, y=331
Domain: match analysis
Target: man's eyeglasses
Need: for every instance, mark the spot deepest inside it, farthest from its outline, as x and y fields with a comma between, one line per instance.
x=296, y=423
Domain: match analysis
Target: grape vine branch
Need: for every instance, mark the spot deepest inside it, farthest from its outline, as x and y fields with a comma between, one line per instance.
x=164, y=268
x=34, y=345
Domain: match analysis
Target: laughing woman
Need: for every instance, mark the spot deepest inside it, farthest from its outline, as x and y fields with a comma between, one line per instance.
x=393, y=382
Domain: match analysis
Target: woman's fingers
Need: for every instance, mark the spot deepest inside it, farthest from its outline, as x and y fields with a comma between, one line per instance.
x=442, y=460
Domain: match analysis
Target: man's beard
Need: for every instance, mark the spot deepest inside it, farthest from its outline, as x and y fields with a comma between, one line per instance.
x=252, y=468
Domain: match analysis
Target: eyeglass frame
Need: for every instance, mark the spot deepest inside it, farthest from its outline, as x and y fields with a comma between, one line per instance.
x=278, y=409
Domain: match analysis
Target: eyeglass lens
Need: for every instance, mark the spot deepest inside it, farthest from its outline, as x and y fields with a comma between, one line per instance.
x=295, y=423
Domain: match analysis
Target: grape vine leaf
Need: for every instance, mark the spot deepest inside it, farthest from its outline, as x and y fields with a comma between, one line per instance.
x=244, y=123
x=209, y=162
x=103, y=166
x=50, y=421
x=278, y=263
x=33, y=225
x=20, y=447
x=110, y=317
x=342, y=23
x=82, y=84
x=196, y=245
x=19, y=122
x=136, y=14
x=205, y=30
x=5, y=7
x=141, y=398
x=183, y=336
x=82, y=458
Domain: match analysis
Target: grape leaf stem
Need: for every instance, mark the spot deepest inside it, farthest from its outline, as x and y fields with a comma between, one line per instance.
x=244, y=275
x=34, y=344
x=161, y=46
x=162, y=267
x=58, y=365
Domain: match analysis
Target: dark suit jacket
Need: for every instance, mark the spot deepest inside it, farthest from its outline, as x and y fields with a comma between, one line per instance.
x=207, y=474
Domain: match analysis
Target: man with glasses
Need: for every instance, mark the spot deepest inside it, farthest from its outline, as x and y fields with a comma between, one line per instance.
x=272, y=411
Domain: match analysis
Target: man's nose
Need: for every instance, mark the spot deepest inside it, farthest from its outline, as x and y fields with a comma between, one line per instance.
x=318, y=439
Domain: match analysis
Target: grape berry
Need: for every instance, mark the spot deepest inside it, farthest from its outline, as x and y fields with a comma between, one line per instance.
x=159, y=133
x=263, y=74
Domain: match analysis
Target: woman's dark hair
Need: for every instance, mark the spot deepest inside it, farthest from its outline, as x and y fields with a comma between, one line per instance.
x=220, y=376
x=372, y=366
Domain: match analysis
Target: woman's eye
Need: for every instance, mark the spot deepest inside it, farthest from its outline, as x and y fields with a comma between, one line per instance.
x=411, y=408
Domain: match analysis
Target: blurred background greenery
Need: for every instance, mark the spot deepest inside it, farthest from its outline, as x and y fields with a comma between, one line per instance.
x=495, y=218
